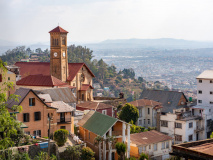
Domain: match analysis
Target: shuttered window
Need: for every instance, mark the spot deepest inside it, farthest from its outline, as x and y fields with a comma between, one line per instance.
x=26, y=117
x=37, y=116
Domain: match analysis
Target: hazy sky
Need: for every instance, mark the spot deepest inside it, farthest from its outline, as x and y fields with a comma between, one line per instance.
x=29, y=21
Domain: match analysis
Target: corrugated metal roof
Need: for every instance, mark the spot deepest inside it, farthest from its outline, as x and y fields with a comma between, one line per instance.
x=59, y=94
x=169, y=99
x=97, y=123
x=62, y=107
x=148, y=137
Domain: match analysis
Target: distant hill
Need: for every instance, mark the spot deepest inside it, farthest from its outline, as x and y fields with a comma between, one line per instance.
x=163, y=43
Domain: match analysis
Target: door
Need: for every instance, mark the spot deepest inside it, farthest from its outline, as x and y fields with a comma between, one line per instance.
x=62, y=117
x=197, y=136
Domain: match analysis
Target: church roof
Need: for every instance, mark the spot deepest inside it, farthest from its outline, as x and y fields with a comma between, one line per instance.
x=58, y=29
x=32, y=68
x=85, y=87
x=41, y=80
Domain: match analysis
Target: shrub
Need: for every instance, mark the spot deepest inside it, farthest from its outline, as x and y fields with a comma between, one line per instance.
x=44, y=156
x=121, y=149
x=87, y=154
x=71, y=153
x=60, y=136
x=143, y=156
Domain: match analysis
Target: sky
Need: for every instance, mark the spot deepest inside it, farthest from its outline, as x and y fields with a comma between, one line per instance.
x=29, y=21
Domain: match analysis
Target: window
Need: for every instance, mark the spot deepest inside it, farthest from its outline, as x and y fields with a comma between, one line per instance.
x=167, y=144
x=37, y=116
x=199, y=92
x=200, y=81
x=0, y=77
x=163, y=145
x=155, y=147
x=209, y=110
x=200, y=111
x=27, y=132
x=144, y=121
x=148, y=121
x=144, y=148
x=63, y=127
x=140, y=122
x=211, y=81
x=211, y=102
x=199, y=101
x=140, y=112
x=178, y=125
x=37, y=133
x=73, y=84
x=148, y=111
x=149, y=146
x=26, y=117
x=31, y=101
x=164, y=123
x=211, y=92
x=104, y=112
x=190, y=124
x=178, y=137
x=63, y=41
x=208, y=122
x=8, y=78
x=190, y=137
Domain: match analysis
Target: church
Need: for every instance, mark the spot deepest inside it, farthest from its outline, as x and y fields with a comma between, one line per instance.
x=77, y=75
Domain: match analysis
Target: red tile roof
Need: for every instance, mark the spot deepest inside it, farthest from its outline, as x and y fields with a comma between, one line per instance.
x=40, y=80
x=85, y=87
x=148, y=137
x=58, y=29
x=29, y=68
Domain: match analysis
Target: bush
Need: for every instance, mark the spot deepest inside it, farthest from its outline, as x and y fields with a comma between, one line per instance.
x=45, y=156
x=60, y=136
x=132, y=158
x=71, y=153
x=144, y=156
x=121, y=149
x=87, y=154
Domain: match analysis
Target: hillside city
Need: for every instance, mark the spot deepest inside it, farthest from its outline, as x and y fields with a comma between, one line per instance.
x=76, y=102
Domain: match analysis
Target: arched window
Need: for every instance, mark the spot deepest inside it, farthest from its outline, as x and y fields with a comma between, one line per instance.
x=57, y=42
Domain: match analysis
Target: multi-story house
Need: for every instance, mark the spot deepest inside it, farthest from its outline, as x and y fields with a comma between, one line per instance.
x=95, y=124
x=169, y=99
x=205, y=99
x=184, y=125
x=148, y=110
x=7, y=76
x=157, y=145
x=36, y=113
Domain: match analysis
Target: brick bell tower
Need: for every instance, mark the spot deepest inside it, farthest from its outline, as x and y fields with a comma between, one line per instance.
x=58, y=53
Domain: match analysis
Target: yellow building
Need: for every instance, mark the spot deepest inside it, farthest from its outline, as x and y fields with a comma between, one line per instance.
x=7, y=76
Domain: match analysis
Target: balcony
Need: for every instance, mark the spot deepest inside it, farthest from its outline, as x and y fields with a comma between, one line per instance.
x=199, y=128
x=116, y=133
x=64, y=120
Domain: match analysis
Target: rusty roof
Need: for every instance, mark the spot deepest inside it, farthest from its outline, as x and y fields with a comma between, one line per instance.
x=58, y=29
x=93, y=105
x=62, y=107
x=148, y=137
x=146, y=102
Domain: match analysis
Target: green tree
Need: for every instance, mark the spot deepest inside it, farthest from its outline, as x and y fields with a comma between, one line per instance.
x=128, y=113
x=60, y=136
x=121, y=149
x=10, y=129
x=143, y=156
x=87, y=154
x=136, y=129
x=71, y=153
x=44, y=156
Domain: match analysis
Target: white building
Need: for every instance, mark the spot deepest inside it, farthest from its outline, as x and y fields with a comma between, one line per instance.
x=205, y=97
x=157, y=145
x=184, y=125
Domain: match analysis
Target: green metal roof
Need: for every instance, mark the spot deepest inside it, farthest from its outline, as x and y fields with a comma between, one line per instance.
x=99, y=123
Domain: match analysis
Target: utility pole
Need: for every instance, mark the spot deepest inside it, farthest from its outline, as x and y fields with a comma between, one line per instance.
x=49, y=118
